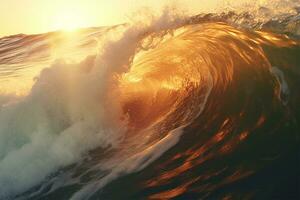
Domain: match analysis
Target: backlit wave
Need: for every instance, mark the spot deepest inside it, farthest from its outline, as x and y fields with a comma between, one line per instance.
x=176, y=103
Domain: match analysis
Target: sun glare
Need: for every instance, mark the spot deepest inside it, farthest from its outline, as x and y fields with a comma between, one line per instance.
x=69, y=21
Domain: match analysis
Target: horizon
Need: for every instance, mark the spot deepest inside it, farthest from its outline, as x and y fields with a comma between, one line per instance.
x=37, y=17
x=149, y=99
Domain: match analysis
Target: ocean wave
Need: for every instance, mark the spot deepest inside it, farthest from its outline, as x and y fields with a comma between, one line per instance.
x=184, y=93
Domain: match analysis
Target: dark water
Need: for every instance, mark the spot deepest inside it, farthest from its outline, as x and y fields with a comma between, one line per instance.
x=204, y=109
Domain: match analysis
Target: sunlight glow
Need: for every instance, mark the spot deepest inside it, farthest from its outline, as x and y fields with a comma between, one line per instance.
x=41, y=16
x=69, y=20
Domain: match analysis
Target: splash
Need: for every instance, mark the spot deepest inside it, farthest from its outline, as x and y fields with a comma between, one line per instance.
x=118, y=111
x=71, y=109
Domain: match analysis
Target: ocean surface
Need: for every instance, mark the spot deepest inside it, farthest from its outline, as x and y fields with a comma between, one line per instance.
x=171, y=107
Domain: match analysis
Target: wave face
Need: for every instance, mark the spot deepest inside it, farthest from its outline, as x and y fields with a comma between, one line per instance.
x=172, y=108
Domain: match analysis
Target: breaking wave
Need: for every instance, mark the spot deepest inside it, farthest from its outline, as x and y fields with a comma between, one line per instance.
x=185, y=107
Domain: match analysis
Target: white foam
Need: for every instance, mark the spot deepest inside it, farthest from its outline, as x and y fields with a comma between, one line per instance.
x=132, y=164
x=69, y=112
x=54, y=126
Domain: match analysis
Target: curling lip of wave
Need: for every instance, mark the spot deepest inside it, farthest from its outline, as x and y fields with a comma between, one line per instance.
x=174, y=70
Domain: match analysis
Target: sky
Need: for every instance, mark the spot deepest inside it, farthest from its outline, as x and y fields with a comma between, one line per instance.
x=39, y=16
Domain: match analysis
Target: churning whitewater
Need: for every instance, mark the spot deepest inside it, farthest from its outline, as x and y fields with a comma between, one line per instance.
x=172, y=107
